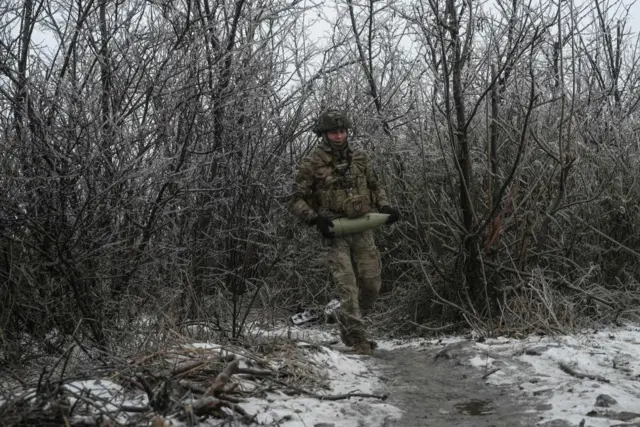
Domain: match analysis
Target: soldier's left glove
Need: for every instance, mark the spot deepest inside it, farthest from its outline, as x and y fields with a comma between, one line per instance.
x=394, y=214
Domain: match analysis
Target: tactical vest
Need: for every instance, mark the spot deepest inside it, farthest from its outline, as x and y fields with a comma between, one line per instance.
x=340, y=185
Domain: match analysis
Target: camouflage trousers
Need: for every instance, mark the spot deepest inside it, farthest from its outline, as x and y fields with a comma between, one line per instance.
x=354, y=262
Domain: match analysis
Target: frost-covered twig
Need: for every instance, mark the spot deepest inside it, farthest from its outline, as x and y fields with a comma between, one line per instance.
x=493, y=371
x=348, y=396
x=331, y=397
x=569, y=370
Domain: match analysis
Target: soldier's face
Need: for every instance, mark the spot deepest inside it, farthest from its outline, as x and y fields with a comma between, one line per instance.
x=337, y=136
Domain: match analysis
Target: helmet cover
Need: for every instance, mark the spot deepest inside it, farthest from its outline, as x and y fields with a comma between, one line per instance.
x=331, y=120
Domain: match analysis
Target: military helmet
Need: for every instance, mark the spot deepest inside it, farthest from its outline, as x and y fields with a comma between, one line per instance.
x=331, y=120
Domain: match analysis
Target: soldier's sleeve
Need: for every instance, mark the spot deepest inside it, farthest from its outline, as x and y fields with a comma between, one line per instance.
x=376, y=186
x=302, y=190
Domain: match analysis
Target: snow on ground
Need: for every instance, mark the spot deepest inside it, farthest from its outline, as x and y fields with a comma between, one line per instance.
x=549, y=367
x=106, y=395
x=569, y=373
x=348, y=374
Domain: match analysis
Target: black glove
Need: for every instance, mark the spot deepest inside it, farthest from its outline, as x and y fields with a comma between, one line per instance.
x=323, y=223
x=394, y=214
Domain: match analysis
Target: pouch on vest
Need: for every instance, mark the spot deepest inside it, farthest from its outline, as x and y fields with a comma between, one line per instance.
x=356, y=205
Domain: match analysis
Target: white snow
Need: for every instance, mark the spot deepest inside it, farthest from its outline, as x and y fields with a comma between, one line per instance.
x=104, y=395
x=612, y=354
x=611, y=357
x=481, y=361
x=348, y=374
x=202, y=346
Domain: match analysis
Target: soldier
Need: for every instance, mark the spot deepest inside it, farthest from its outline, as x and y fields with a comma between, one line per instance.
x=337, y=180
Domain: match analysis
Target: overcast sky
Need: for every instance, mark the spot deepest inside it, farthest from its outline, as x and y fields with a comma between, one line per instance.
x=46, y=40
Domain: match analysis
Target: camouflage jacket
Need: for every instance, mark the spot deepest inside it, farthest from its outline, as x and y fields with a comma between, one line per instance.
x=324, y=181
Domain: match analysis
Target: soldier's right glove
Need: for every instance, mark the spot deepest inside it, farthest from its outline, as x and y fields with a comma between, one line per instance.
x=394, y=214
x=323, y=223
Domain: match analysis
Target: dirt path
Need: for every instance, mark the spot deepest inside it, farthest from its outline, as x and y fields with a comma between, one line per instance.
x=439, y=390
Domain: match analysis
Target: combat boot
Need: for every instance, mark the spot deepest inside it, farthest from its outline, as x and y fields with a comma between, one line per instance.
x=346, y=340
x=363, y=348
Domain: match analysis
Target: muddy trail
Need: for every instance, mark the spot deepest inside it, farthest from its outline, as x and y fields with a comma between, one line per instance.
x=435, y=387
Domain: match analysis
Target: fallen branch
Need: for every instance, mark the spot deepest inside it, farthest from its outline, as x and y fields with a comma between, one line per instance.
x=569, y=370
x=192, y=386
x=258, y=373
x=331, y=397
x=134, y=409
x=239, y=410
x=186, y=367
x=93, y=404
x=231, y=399
x=211, y=406
x=493, y=371
x=223, y=378
x=198, y=389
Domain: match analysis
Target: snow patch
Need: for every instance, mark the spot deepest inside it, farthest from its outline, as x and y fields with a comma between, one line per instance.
x=481, y=361
x=570, y=372
x=348, y=374
x=105, y=396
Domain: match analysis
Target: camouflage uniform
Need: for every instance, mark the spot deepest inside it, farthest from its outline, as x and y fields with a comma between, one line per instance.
x=324, y=180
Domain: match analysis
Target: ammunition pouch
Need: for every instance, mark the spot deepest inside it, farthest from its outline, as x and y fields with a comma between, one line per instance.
x=356, y=205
